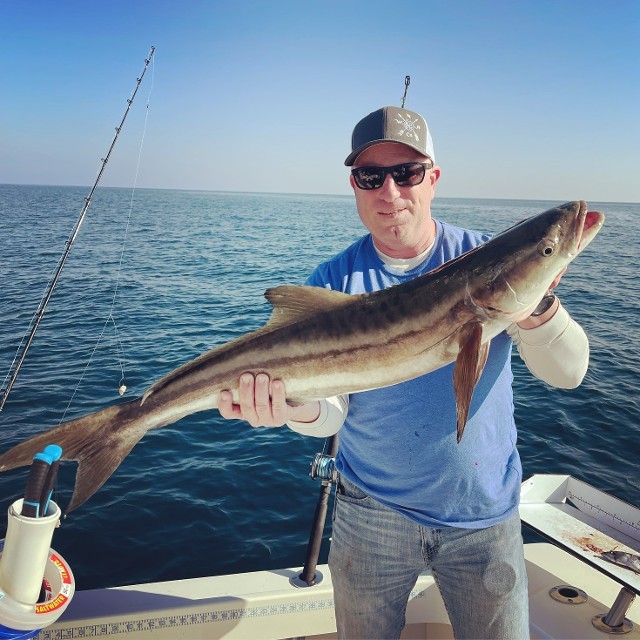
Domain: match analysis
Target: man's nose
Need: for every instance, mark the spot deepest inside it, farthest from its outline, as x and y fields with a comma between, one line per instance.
x=389, y=190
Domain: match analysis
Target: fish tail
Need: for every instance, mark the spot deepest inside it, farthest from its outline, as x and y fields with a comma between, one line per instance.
x=99, y=442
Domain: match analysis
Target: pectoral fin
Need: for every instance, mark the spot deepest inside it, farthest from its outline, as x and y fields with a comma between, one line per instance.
x=468, y=369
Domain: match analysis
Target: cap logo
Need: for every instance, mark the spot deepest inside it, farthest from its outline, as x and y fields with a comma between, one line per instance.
x=408, y=127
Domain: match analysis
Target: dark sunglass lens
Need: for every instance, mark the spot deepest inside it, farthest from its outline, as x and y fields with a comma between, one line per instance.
x=368, y=178
x=408, y=174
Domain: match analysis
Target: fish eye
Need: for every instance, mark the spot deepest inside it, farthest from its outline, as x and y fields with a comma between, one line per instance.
x=546, y=248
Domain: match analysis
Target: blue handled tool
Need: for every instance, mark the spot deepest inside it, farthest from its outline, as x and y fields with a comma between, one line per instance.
x=55, y=453
x=37, y=475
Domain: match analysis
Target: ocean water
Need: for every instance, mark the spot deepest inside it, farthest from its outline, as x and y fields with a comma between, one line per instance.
x=206, y=496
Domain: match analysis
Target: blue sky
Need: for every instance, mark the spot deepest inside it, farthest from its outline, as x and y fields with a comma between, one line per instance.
x=537, y=99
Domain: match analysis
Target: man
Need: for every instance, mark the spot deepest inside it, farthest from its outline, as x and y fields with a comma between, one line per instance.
x=410, y=497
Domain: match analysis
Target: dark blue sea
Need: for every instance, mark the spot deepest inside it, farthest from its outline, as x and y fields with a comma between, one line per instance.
x=205, y=496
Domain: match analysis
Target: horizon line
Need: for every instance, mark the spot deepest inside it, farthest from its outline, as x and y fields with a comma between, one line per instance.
x=288, y=193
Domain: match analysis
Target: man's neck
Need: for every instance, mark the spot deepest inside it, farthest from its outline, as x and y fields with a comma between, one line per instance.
x=404, y=264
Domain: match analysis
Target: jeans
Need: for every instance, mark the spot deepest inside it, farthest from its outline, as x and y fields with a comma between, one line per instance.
x=377, y=554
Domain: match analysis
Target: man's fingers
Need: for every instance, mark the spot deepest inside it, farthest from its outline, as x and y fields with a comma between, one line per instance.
x=226, y=407
x=279, y=406
x=261, y=402
x=263, y=399
x=246, y=393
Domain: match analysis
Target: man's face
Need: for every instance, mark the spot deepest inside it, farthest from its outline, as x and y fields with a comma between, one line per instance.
x=399, y=218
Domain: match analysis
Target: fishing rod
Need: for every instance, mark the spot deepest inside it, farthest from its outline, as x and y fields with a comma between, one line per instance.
x=21, y=353
x=323, y=468
x=407, y=82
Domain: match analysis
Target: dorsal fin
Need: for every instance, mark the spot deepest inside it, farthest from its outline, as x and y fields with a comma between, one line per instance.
x=291, y=303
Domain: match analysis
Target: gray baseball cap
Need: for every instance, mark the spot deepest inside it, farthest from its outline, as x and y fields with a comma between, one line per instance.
x=391, y=124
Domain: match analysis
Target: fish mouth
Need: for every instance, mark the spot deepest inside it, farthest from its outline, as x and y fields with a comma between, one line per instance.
x=588, y=224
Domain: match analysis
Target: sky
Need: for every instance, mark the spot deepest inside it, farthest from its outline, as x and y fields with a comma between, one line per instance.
x=524, y=99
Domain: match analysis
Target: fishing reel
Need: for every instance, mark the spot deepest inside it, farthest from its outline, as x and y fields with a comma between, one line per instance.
x=323, y=468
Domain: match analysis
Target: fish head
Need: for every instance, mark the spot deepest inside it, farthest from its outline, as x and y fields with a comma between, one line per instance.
x=522, y=262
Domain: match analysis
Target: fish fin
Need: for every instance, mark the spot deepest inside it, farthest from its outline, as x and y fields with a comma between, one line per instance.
x=292, y=303
x=468, y=369
x=99, y=442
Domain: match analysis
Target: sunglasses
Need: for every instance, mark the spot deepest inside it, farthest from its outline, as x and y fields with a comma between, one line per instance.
x=408, y=174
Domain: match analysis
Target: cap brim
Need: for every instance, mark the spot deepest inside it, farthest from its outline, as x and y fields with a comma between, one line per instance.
x=351, y=158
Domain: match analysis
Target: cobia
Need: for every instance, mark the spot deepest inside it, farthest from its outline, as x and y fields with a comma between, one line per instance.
x=322, y=343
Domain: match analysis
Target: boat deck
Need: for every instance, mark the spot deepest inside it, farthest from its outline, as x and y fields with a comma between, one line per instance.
x=581, y=521
x=265, y=605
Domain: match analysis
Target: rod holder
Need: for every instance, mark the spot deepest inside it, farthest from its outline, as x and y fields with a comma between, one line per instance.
x=25, y=553
x=36, y=585
x=615, y=622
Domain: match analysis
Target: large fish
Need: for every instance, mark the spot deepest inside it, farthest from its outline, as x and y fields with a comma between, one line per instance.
x=322, y=343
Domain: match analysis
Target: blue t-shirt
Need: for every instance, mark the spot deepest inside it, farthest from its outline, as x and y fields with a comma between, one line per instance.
x=398, y=444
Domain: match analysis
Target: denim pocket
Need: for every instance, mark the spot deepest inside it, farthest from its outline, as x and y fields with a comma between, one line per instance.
x=350, y=492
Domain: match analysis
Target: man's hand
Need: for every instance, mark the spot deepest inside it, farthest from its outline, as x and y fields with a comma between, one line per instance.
x=556, y=280
x=535, y=321
x=263, y=403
